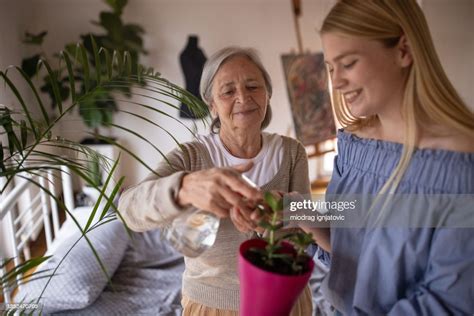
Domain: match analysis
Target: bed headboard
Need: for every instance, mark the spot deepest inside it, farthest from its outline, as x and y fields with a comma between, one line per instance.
x=24, y=210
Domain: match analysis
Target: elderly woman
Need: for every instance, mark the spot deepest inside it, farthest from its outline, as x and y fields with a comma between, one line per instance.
x=202, y=175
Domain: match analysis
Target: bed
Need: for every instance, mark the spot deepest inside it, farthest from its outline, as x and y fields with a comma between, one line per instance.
x=145, y=275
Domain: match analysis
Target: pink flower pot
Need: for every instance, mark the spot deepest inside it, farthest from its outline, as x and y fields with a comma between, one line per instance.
x=265, y=293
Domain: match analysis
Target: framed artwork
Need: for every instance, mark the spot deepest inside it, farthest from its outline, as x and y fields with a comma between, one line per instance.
x=306, y=81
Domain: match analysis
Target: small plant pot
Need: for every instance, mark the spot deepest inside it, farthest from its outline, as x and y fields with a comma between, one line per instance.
x=265, y=293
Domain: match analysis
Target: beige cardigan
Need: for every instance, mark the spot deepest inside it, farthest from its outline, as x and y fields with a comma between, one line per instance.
x=210, y=279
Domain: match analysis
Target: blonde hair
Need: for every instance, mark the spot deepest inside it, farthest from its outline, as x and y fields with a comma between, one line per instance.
x=429, y=98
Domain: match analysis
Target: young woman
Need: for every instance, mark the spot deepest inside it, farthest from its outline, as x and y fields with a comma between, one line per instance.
x=406, y=131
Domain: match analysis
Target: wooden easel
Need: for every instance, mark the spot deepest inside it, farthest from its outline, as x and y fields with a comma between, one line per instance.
x=319, y=183
x=318, y=152
x=296, y=16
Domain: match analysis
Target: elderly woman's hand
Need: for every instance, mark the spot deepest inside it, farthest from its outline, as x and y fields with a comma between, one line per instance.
x=241, y=220
x=246, y=220
x=218, y=190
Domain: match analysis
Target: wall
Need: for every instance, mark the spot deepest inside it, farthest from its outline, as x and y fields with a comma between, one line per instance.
x=15, y=18
x=223, y=23
x=451, y=25
x=11, y=18
x=266, y=25
x=167, y=25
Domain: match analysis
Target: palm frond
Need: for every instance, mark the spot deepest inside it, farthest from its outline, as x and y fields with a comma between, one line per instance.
x=105, y=73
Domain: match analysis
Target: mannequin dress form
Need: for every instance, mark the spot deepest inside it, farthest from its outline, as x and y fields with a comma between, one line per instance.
x=192, y=61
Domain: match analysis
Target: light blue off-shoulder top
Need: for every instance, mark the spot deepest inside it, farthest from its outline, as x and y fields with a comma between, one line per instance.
x=400, y=271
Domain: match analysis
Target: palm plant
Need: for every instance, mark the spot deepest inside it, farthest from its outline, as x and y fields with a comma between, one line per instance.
x=98, y=108
x=27, y=136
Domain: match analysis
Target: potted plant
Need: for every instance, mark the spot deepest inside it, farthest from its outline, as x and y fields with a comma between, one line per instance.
x=98, y=108
x=100, y=105
x=274, y=270
x=22, y=133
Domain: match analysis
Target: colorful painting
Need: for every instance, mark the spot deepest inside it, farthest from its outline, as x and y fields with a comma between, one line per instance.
x=306, y=81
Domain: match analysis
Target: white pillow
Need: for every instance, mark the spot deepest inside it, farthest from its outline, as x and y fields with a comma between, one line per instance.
x=79, y=279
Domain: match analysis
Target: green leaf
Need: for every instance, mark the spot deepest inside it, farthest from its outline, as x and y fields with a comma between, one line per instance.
x=92, y=116
x=62, y=89
x=131, y=28
x=143, y=139
x=101, y=98
x=2, y=165
x=97, y=108
x=108, y=63
x=125, y=149
x=7, y=122
x=95, y=171
x=117, y=5
x=111, y=198
x=101, y=195
x=38, y=99
x=302, y=239
x=24, y=267
x=112, y=23
x=117, y=58
x=108, y=117
x=85, y=67
x=73, y=51
x=34, y=39
x=29, y=65
x=128, y=63
x=271, y=248
x=98, y=68
x=53, y=81
x=18, y=96
x=72, y=86
x=280, y=204
x=284, y=256
x=265, y=225
x=133, y=43
x=23, y=134
x=271, y=201
x=154, y=124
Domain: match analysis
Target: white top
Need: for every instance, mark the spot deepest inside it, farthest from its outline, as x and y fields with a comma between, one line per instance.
x=266, y=163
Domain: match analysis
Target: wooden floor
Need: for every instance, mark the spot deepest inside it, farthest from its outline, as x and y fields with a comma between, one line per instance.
x=37, y=247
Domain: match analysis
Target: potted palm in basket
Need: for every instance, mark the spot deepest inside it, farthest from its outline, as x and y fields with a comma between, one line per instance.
x=274, y=270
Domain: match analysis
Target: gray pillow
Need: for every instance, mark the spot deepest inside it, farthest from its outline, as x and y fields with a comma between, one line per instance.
x=149, y=250
x=79, y=280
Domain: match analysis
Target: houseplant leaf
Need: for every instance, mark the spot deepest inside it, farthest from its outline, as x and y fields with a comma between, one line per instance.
x=35, y=39
x=158, y=90
x=117, y=5
x=29, y=65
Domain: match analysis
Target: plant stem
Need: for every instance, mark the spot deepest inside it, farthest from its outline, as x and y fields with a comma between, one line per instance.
x=272, y=231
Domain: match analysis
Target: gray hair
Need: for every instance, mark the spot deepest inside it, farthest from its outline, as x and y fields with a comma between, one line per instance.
x=213, y=65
